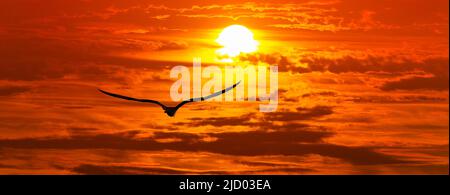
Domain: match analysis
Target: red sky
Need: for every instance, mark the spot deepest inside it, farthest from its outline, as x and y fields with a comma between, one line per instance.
x=363, y=87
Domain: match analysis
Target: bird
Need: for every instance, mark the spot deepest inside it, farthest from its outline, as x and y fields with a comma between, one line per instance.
x=170, y=111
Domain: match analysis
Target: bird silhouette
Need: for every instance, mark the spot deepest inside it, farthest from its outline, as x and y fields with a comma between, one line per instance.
x=170, y=111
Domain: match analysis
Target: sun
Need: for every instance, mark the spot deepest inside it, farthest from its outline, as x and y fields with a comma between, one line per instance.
x=236, y=39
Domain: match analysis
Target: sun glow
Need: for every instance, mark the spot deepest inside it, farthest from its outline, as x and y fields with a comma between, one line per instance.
x=236, y=39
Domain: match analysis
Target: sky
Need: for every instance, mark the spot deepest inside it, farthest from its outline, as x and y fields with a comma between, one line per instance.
x=363, y=87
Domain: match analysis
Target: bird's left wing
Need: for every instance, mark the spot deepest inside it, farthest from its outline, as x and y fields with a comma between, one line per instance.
x=132, y=99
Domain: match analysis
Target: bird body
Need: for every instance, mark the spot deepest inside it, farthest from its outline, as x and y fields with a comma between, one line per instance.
x=170, y=111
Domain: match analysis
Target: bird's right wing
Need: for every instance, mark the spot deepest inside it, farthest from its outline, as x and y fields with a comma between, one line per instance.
x=217, y=93
x=132, y=99
x=198, y=99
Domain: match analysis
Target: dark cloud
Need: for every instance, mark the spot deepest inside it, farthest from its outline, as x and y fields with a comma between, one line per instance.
x=258, y=163
x=39, y=58
x=375, y=64
x=300, y=114
x=252, y=143
x=74, y=130
x=172, y=45
x=394, y=66
x=281, y=136
x=425, y=127
x=242, y=120
x=371, y=64
x=82, y=129
x=184, y=137
x=272, y=167
x=10, y=90
x=289, y=170
x=156, y=126
x=283, y=62
x=91, y=169
x=418, y=83
x=77, y=107
x=99, y=68
x=265, y=121
x=406, y=99
x=323, y=93
x=351, y=119
x=6, y=166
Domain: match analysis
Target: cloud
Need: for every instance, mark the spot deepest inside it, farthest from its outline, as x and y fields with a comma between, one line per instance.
x=172, y=45
x=350, y=63
x=330, y=16
x=323, y=93
x=418, y=83
x=350, y=119
x=405, y=99
x=252, y=143
x=81, y=55
x=312, y=15
x=282, y=61
x=242, y=120
x=11, y=90
x=375, y=64
x=79, y=130
x=266, y=121
x=92, y=169
x=57, y=60
x=258, y=163
x=301, y=114
x=391, y=71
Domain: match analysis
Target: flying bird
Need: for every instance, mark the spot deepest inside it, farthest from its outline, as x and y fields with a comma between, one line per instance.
x=170, y=111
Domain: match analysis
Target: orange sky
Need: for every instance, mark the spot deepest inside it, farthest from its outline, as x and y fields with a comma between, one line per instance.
x=363, y=87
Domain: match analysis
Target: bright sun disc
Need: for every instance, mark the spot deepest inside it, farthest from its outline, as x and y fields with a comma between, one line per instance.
x=236, y=39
